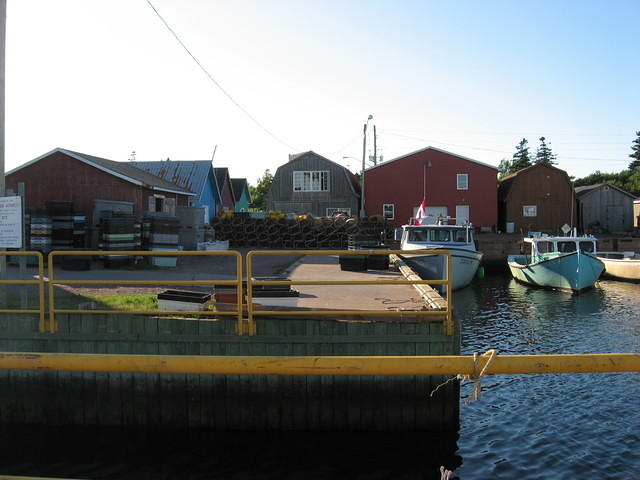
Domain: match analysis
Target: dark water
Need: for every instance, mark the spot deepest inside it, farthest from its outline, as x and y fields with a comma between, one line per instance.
x=525, y=426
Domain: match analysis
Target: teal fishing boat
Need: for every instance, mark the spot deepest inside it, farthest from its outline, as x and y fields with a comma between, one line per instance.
x=561, y=263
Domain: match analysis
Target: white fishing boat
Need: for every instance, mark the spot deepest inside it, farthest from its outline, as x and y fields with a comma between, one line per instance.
x=621, y=265
x=561, y=263
x=456, y=239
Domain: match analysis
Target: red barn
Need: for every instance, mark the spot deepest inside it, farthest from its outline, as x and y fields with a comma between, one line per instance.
x=63, y=175
x=453, y=186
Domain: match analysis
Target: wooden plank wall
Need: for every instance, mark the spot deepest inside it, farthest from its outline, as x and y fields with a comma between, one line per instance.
x=228, y=401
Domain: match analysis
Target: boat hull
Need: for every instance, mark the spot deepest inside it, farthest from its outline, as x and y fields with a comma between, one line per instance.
x=464, y=265
x=574, y=272
x=621, y=268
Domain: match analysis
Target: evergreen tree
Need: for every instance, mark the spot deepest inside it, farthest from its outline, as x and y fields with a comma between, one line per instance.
x=635, y=146
x=521, y=158
x=544, y=153
x=260, y=191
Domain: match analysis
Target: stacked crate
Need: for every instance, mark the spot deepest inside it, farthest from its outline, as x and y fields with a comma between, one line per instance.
x=79, y=230
x=118, y=233
x=163, y=234
x=39, y=231
x=62, y=224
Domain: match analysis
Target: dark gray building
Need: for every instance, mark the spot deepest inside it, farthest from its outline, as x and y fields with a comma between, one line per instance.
x=604, y=208
x=310, y=183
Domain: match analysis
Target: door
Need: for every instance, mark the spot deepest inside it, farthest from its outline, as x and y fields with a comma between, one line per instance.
x=462, y=214
x=615, y=218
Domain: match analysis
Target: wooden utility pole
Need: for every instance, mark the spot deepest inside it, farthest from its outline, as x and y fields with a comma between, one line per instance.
x=3, y=35
x=375, y=147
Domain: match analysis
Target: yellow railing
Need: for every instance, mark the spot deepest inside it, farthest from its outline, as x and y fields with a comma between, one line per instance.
x=39, y=282
x=237, y=282
x=251, y=282
x=469, y=365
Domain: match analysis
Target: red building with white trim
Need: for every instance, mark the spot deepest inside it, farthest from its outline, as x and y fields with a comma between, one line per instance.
x=454, y=186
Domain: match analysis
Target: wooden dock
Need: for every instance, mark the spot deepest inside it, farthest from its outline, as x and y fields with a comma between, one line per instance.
x=303, y=402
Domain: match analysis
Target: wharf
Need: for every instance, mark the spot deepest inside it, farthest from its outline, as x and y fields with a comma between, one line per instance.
x=233, y=401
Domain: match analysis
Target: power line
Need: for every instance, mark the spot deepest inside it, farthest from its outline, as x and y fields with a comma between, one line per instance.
x=242, y=109
x=499, y=151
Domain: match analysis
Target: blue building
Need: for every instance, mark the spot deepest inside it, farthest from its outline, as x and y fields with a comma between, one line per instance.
x=198, y=176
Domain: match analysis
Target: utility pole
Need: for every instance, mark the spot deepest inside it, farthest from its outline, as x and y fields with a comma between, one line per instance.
x=364, y=153
x=3, y=36
x=375, y=147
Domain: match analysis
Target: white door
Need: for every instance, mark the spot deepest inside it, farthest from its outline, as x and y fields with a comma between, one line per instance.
x=462, y=214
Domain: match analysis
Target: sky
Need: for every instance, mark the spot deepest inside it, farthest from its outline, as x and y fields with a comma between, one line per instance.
x=274, y=77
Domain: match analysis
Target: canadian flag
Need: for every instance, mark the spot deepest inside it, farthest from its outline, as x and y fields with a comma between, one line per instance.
x=422, y=212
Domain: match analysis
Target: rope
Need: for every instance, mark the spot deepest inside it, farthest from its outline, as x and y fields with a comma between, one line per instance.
x=476, y=378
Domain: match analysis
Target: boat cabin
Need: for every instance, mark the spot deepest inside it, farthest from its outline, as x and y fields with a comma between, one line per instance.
x=437, y=234
x=543, y=245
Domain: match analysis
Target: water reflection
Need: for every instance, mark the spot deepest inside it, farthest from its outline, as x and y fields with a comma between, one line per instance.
x=539, y=426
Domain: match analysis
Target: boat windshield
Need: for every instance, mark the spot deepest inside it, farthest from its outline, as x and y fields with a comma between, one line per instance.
x=566, y=247
x=545, y=247
x=437, y=235
x=588, y=247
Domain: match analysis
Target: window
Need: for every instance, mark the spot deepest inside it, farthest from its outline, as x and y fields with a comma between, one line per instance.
x=545, y=247
x=334, y=211
x=439, y=235
x=587, y=247
x=460, y=236
x=417, y=235
x=388, y=211
x=566, y=247
x=310, y=181
x=530, y=211
x=462, y=180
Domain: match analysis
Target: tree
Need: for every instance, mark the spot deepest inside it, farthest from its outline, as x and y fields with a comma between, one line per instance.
x=521, y=158
x=504, y=168
x=260, y=191
x=635, y=146
x=544, y=153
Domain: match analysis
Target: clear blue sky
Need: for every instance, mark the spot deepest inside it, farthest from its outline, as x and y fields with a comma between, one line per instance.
x=474, y=78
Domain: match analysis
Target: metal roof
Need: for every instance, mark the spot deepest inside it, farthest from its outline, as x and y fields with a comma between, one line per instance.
x=238, y=185
x=123, y=170
x=189, y=174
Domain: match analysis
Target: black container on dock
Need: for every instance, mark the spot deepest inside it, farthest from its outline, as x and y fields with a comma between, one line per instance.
x=353, y=263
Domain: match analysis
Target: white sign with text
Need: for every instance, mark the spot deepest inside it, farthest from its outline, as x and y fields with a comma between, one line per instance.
x=10, y=222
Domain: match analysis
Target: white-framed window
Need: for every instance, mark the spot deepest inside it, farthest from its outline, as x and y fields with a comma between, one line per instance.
x=529, y=210
x=462, y=181
x=389, y=211
x=311, y=181
x=331, y=211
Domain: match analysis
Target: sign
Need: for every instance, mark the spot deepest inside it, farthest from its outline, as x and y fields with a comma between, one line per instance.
x=10, y=222
x=565, y=229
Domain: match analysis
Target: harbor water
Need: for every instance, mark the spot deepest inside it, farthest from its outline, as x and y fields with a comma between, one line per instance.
x=523, y=427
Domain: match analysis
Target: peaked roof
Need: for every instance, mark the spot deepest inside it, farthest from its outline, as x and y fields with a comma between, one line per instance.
x=587, y=189
x=353, y=180
x=189, y=174
x=239, y=184
x=222, y=173
x=504, y=185
x=123, y=170
x=435, y=150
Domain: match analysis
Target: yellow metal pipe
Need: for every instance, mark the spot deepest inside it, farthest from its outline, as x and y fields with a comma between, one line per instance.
x=349, y=282
x=19, y=311
x=386, y=313
x=209, y=313
x=143, y=282
x=20, y=282
x=343, y=365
